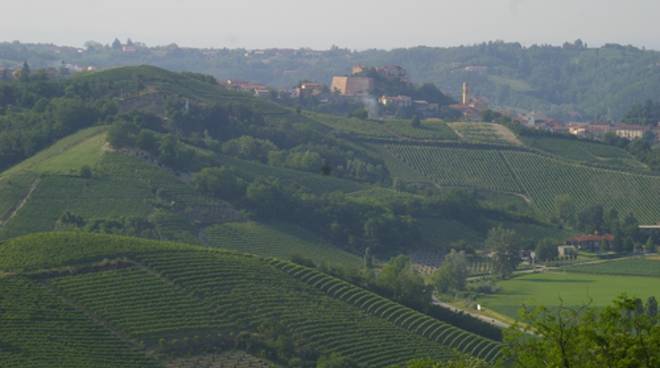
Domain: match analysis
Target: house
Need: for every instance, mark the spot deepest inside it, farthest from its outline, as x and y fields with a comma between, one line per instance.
x=352, y=86
x=310, y=89
x=591, y=242
x=578, y=129
x=566, y=250
x=395, y=101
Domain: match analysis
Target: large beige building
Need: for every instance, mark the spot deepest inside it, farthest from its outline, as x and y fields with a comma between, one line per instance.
x=352, y=86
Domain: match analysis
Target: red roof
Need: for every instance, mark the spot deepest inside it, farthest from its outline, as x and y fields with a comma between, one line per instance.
x=592, y=237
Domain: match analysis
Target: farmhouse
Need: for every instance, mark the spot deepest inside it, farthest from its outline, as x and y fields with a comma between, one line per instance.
x=591, y=242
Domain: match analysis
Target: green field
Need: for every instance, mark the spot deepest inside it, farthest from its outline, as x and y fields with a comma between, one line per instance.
x=278, y=240
x=625, y=267
x=149, y=294
x=574, y=289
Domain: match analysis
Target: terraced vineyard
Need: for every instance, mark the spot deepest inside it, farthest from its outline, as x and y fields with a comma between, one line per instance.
x=39, y=330
x=277, y=241
x=167, y=291
x=232, y=359
x=545, y=178
x=458, y=167
x=399, y=315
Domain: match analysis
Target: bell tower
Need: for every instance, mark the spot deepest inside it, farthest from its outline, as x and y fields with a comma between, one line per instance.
x=465, y=98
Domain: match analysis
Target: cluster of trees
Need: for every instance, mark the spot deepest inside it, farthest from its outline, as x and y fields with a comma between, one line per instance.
x=596, y=219
x=36, y=110
x=342, y=220
x=647, y=113
x=130, y=226
x=504, y=246
x=623, y=334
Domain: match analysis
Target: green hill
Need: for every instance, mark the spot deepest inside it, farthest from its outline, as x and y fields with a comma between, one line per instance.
x=147, y=303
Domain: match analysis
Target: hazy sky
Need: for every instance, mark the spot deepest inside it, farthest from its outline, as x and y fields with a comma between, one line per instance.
x=356, y=24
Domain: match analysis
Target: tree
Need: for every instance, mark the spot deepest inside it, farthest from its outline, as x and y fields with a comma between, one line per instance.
x=652, y=307
x=116, y=44
x=565, y=209
x=399, y=279
x=452, y=273
x=506, y=251
x=86, y=172
x=25, y=72
x=546, y=250
x=591, y=219
x=416, y=122
x=619, y=336
x=334, y=360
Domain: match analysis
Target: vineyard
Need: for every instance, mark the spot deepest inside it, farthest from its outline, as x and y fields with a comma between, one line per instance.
x=539, y=178
x=232, y=359
x=460, y=167
x=166, y=292
x=593, y=153
x=277, y=241
x=40, y=330
x=545, y=178
x=485, y=133
x=624, y=267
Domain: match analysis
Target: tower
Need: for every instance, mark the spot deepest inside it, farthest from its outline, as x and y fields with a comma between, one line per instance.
x=466, y=94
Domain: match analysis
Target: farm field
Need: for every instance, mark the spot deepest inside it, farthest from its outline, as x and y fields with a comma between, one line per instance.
x=141, y=290
x=573, y=288
x=280, y=240
x=627, y=267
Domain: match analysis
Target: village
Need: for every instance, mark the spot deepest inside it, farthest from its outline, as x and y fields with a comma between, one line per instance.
x=361, y=86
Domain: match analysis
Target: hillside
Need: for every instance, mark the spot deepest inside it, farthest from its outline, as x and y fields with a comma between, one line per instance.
x=175, y=154
x=117, y=302
x=595, y=83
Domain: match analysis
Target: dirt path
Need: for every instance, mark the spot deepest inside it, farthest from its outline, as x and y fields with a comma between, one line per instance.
x=22, y=203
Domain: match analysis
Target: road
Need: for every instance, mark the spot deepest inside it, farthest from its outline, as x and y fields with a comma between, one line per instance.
x=489, y=320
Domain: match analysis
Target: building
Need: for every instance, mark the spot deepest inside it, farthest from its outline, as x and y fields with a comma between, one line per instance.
x=629, y=131
x=352, y=86
x=395, y=101
x=591, y=242
x=257, y=89
x=566, y=250
x=310, y=88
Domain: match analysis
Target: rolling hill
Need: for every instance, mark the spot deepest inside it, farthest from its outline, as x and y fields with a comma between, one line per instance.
x=86, y=300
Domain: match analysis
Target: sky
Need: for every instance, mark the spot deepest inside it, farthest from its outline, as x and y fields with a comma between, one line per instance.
x=319, y=24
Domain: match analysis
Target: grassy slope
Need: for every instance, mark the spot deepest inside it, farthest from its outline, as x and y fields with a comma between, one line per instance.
x=169, y=289
x=573, y=288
